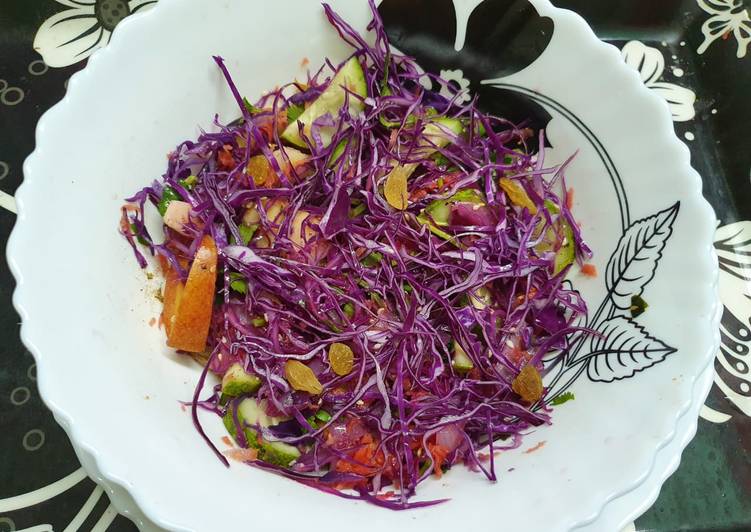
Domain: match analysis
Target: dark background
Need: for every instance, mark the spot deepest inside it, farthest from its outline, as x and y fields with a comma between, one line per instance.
x=712, y=488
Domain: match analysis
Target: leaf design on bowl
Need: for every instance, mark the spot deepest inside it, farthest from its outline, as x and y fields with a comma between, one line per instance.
x=615, y=346
x=624, y=348
x=635, y=259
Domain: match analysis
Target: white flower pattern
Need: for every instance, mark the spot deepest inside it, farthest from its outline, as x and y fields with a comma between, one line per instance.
x=733, y=245
x=75, y=33
x=728, y=17
x=462, y=83
x=650, y=64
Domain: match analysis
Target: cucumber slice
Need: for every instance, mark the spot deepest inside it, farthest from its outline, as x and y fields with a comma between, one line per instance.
x=278, y=453
x=331, y=101
x=251, y=438
x=461, y=361
x=436, y=131
x=237, y=381
x=440, y=233
x=440, y=210
x=337, y=153
x=480, y=298
x=251, y=413
x=566, y=254
x=437, y=213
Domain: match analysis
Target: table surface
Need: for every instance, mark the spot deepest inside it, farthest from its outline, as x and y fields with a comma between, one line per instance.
x=694, y=53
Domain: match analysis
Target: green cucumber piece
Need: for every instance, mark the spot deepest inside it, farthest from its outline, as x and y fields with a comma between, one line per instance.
x=273, y=452
x=436, y=130
x=337, y=153
x=330, y=101
x=440, y=233
x=252, y=413
x=229, y=423
x=440, y=210
x=437, y=213
x=278, y=453
x=566, y=254
x=461, y=361
x=236, y=381
x=480, y=298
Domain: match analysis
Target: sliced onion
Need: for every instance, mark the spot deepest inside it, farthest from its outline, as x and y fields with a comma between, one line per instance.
x=449, y=437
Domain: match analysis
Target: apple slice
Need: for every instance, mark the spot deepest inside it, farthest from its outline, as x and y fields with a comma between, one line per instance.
x=173, y=292
x=187, y=307
x=177, y=215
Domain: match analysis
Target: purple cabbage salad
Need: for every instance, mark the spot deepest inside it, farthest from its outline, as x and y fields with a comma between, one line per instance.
x=375, y=271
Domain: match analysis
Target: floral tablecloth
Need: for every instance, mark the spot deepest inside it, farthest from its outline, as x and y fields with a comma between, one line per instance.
x=693, y=53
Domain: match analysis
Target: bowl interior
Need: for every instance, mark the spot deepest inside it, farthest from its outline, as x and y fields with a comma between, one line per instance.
x=118, y=389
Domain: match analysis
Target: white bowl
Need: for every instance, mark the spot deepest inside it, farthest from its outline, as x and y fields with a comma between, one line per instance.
x=619, y=512
x=112, y=385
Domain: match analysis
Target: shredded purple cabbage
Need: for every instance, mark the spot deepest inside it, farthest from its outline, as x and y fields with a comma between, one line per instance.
x=330, y=260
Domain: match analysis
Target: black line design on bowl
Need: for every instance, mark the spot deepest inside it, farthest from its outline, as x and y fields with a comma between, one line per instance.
x=623, y=347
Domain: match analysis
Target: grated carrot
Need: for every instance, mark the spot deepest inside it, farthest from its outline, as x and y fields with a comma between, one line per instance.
x=535, y=448
x=589, y=270
x=569, y=198
x=242, y=455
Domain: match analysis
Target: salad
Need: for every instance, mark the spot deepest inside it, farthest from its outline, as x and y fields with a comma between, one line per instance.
x=375, y=271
